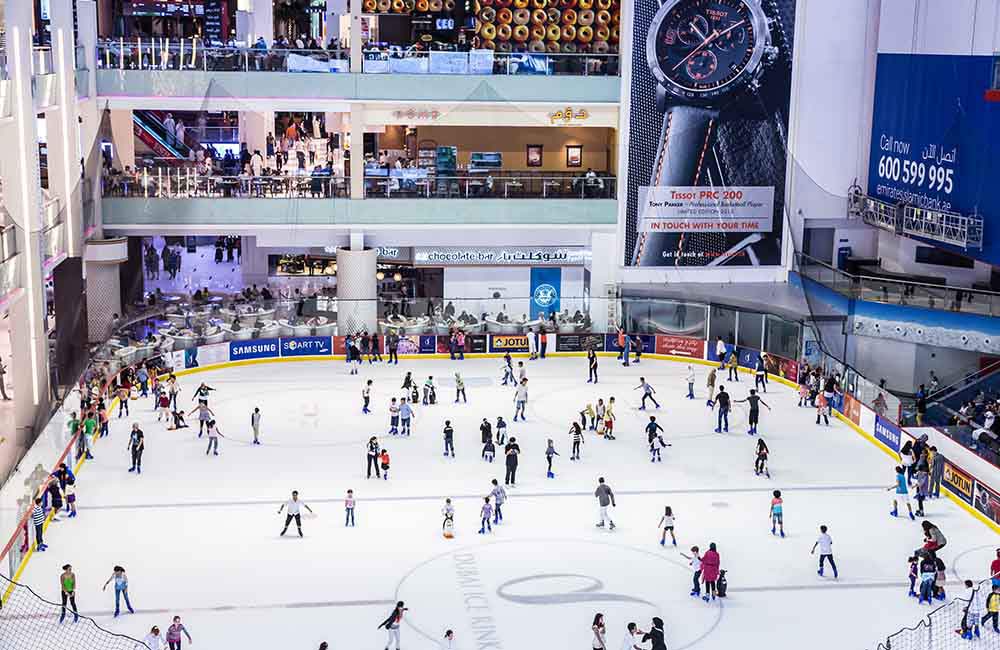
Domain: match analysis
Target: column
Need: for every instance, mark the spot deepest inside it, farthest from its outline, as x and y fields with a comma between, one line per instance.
x=63, y=128
x=90, y=120
x=256, y=19
x=22, y=198
x=104, y=296
x=123, y=137
x=334, y=10
x=254, y=128
x=357, y=290
x=603, y=268
x=357, y=147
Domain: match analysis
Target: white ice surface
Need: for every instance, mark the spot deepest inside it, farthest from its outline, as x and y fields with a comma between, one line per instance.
x=199, y=534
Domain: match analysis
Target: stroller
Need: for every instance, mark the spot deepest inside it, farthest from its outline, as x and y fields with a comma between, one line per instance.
x=721, y=585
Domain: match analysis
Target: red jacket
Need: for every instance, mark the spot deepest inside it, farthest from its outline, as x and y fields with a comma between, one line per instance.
x=710, y=566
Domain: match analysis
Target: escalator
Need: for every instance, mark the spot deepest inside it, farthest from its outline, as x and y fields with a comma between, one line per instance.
x=148, y=128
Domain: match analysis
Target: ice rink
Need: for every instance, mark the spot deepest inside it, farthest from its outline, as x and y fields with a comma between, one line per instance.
x=198, y=535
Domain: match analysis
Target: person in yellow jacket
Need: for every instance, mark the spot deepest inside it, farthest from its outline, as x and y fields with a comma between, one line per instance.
x=732, y=364
x=993, y=608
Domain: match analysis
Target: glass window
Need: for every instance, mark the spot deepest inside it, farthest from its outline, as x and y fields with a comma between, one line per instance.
x=750, y=330
x=662, y=316
x=723, y=323
x=781, y=337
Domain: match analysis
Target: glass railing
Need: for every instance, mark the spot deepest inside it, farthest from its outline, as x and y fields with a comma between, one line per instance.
x=502, y=186
x=176, y=183
x=159, y=54
x=80, y=57
x=41, y=61
x=488, y=62
x=9, y=268
x=899, y=292
x=8, y=242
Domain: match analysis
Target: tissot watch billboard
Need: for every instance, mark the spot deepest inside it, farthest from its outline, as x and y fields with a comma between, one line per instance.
x=708, y=122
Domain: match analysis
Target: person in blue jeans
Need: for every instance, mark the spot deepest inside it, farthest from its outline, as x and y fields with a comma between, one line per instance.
x=722, y=401
x=121, y=589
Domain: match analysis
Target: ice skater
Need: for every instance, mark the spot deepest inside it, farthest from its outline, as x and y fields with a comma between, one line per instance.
x=383, y=460
x=508, y=370
x=609, y=420
x=408, y=383
x=710, y=564
x=459, y=388
x=722, y=401
x=448, y=524
x=201, y=393
x=599, y=412
x=366, y=397
x=667, y=524
x=776, y=513
x=293, y=510
x=710, y=385
x=213, y=438
x=501, y=431
x=67, y=585
x=591, y=366
x=406, y=415
x=430, y=391
x=647, y=393
x=825, y=545
x=373, y=453
x=393, y=417
x=690, y=381
x=521, y=399
x=136, y=445
x=489, y=450
x=349, y=509
x=499, y=498
x=392, y=624
x=486, y=513
x=694, y=560
x=605, y=497
x=734, y=367
x=754, y=400
x=511, y=452
x=970, y=612
x=655, y=439
x=902, y=493
x=576, y=436
x=550, y=453
x=121, y=589
x=255, y=425
x=449, y=439
x=204, y=415
x=760, y=463
x=760, y=375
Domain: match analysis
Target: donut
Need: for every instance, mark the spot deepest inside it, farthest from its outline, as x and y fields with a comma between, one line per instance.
x=538, y=17
x=553, y=15
x=504, y=46
x=604, y=4
x=569, y=48
x=369, y=6
x=537, y=33
x=449, y=5
x=423, y=5
x=552, y=33
x=602, y=33
x=585, y=17
x=614, y=34
x=553, y=47
x=505, y=16
x=615, y=17
x=489, y=31
x=585, y=4
x=504, y=3
x=568, y=33
x=602, y=18
x=521, y=16
x=600, y=47
x=536, y=46
x=538, y=4
x=520, y=33
x=398, y=6
x=520, y=4
x=383, y=5
x=488, y=15
x=569, y=17
x=504, y=32
x=436, y=5
x=567, y=4
x=585, y=34
x=487, y=45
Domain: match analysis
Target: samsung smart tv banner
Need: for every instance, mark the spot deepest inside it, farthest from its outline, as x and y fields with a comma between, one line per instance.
x=708, y=123
x=934, y=140
x=546, y=286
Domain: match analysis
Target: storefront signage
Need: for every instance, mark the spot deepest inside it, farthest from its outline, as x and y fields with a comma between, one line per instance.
x=239, y=350
x=579, y=342
x=415, y=114
x=680, y=346
x=958, y=482
x=305, y=346
x=508, y=343
x=499, y=256
x=567, y=115
x=887, y=433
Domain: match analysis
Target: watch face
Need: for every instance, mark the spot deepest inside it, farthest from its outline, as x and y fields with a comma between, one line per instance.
x=701, y=49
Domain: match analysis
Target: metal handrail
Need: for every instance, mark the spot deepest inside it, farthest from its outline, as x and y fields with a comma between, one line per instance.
x=192, y=54
x=501, y=185
x=390, y=60
x=176, y=183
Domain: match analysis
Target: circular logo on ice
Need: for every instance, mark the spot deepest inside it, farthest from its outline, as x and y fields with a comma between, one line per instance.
x=292, y=345
x=507, y=595
x=545, y=295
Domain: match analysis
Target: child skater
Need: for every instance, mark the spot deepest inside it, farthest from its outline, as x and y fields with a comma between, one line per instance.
x=405, y=416
x=499, y=498
x=501, y=431
x=902, y=493
x=695, y=561
x=489, y=450
x=449, y=439
x=970, y=612
x=394, y=417
x=349, y=509
x=550, y=451
x=384, y=462
x=760, y=464
x=508, y=370
x=609, y=420
x=667, y=524
x=804, y=393
x=823, y=409
x=576, y=435
x=655, y=440
x=366, y=396
x=776, y=514
x=448, y=524
x=487, y=513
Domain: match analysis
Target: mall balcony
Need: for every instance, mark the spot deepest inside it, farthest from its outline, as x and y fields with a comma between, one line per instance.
x=136, y=73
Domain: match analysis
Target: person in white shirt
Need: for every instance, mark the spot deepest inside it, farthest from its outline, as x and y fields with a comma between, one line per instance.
x=825, y=544
x=294, y=508
x=154, y=640
x=633, y=638
x=690, y=381
x=520, y=399
x=720, y=351
x=168, y=126
x=179, y=132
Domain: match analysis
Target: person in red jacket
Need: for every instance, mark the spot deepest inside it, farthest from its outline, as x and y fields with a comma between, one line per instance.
x=710, y=571
x=995, y=570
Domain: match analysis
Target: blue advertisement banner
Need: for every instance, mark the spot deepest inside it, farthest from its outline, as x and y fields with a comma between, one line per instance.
x=428, y=344
x=934, y=139
x=259, y=349
x=546, y=285
x=887, y=433
x=307, y=346
x=712, y=356
x=648, y=343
